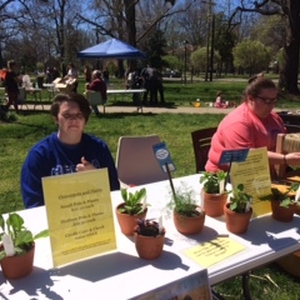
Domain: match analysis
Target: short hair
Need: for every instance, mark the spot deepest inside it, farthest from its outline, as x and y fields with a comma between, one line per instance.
x=11, y=63
x=256, y=84
x=82, y=102
x=96, y=73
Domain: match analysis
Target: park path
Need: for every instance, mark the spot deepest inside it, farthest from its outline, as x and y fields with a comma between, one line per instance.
x=154, y=110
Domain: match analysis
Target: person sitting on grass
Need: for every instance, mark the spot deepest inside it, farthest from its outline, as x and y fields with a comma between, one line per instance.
x=220, y=103
x=68, y=150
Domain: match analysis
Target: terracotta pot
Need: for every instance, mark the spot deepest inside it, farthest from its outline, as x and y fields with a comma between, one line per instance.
x=188, y=225
x=15, y=267
x=128, y=222
x=214, y=204
x=280, y=213
x=149, y=247
x=236, y=222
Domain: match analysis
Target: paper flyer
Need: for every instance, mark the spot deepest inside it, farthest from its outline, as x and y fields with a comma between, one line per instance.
x=80, y=215
x=254, y=174
x=214, y=251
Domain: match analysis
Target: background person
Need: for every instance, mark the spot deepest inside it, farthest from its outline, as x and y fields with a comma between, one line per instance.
x=106, y=76
x=66, y=151
x=12, y=82
x=72, y=75
x=97, y=85
x=149, y=76
x=87, y=74
x=220, y=103
x=253, y=124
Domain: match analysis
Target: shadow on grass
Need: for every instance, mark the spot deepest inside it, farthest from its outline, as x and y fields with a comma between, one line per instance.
x=170, y=105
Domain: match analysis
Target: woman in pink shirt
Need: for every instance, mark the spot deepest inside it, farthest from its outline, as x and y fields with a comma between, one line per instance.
x=253, y=124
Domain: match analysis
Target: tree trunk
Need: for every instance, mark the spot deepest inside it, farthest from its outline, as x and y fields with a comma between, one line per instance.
x=289, y=74
x=130, y=27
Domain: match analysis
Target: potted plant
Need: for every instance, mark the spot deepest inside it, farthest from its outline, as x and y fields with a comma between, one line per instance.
x=238, y=210
x=284, y=202
x=214, y=193
x=134, y=207
x=149, y=238
x=17, y=248
x=188, y=217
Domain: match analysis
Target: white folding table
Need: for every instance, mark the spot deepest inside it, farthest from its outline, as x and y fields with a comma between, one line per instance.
x=121, y=274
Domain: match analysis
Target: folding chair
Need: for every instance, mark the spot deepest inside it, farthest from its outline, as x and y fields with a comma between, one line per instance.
x=286, y=143
x=201, y=144
x=95, y=98
x=136, y=162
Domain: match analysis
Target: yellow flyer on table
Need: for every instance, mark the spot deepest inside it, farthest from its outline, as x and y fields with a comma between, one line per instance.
x=214, y=251
x=254, y=174
x=80, y=215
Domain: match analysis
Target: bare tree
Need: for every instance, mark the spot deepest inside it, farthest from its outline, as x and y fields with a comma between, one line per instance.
x=290, y=11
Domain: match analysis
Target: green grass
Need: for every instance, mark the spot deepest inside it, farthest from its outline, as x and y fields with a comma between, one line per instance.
x=19, y=136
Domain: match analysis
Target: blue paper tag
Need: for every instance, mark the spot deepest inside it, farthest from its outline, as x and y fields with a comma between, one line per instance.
x=229, y=156
x=163, y=157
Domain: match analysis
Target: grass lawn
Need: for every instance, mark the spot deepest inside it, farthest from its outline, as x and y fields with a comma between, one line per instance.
x=19, y=136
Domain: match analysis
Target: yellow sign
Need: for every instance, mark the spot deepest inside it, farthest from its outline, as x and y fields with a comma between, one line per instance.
x=214, y=251
x=80, y=215
x=254, y=174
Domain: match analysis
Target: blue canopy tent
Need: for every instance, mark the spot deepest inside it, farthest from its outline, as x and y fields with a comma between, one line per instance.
x=112, y=48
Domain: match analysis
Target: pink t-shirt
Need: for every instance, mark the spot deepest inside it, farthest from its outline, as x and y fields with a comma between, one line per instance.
x=243, y=129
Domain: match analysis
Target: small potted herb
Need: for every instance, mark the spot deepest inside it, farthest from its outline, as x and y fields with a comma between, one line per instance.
x=238, y=210
x=284, y=203
x=134, y=207
x=149, y=238
x=214, y=192
x=188, y=216
x=17, y=248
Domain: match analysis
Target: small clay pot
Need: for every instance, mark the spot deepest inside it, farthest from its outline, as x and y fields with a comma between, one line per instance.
x=18, y=266
x=189, y=225
x=128, y=222
x=214, y=204
x=280, y=213
x=149, y=247
x=236, y=223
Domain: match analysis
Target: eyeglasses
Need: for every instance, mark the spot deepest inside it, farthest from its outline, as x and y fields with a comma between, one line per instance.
x=268, y=100
x=78, y=116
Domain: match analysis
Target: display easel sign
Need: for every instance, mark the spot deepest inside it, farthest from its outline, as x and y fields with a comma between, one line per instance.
x=195, y=286
x=80, y=215
x=254, y=174
x=164, y=159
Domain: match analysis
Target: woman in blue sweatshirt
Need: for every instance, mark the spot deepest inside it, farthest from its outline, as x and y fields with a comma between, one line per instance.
x=66, y=151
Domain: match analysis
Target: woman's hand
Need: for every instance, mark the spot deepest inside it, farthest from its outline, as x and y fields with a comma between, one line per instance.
x=84, y=165
x=293, y=158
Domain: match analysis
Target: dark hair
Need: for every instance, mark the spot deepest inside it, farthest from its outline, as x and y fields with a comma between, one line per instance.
x=82, y=102
x=11, y=63
x=256, y=84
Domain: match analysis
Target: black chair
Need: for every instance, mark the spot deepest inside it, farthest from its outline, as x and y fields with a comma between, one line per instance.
x=201, y=144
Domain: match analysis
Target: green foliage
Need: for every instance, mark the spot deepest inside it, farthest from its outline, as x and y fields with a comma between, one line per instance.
x=183, y=202
x=133, y=202
x=172, y=62
x=252, y=56
x=22, y=238
x=239, y=200
x=212, y=181
x=285, y=198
